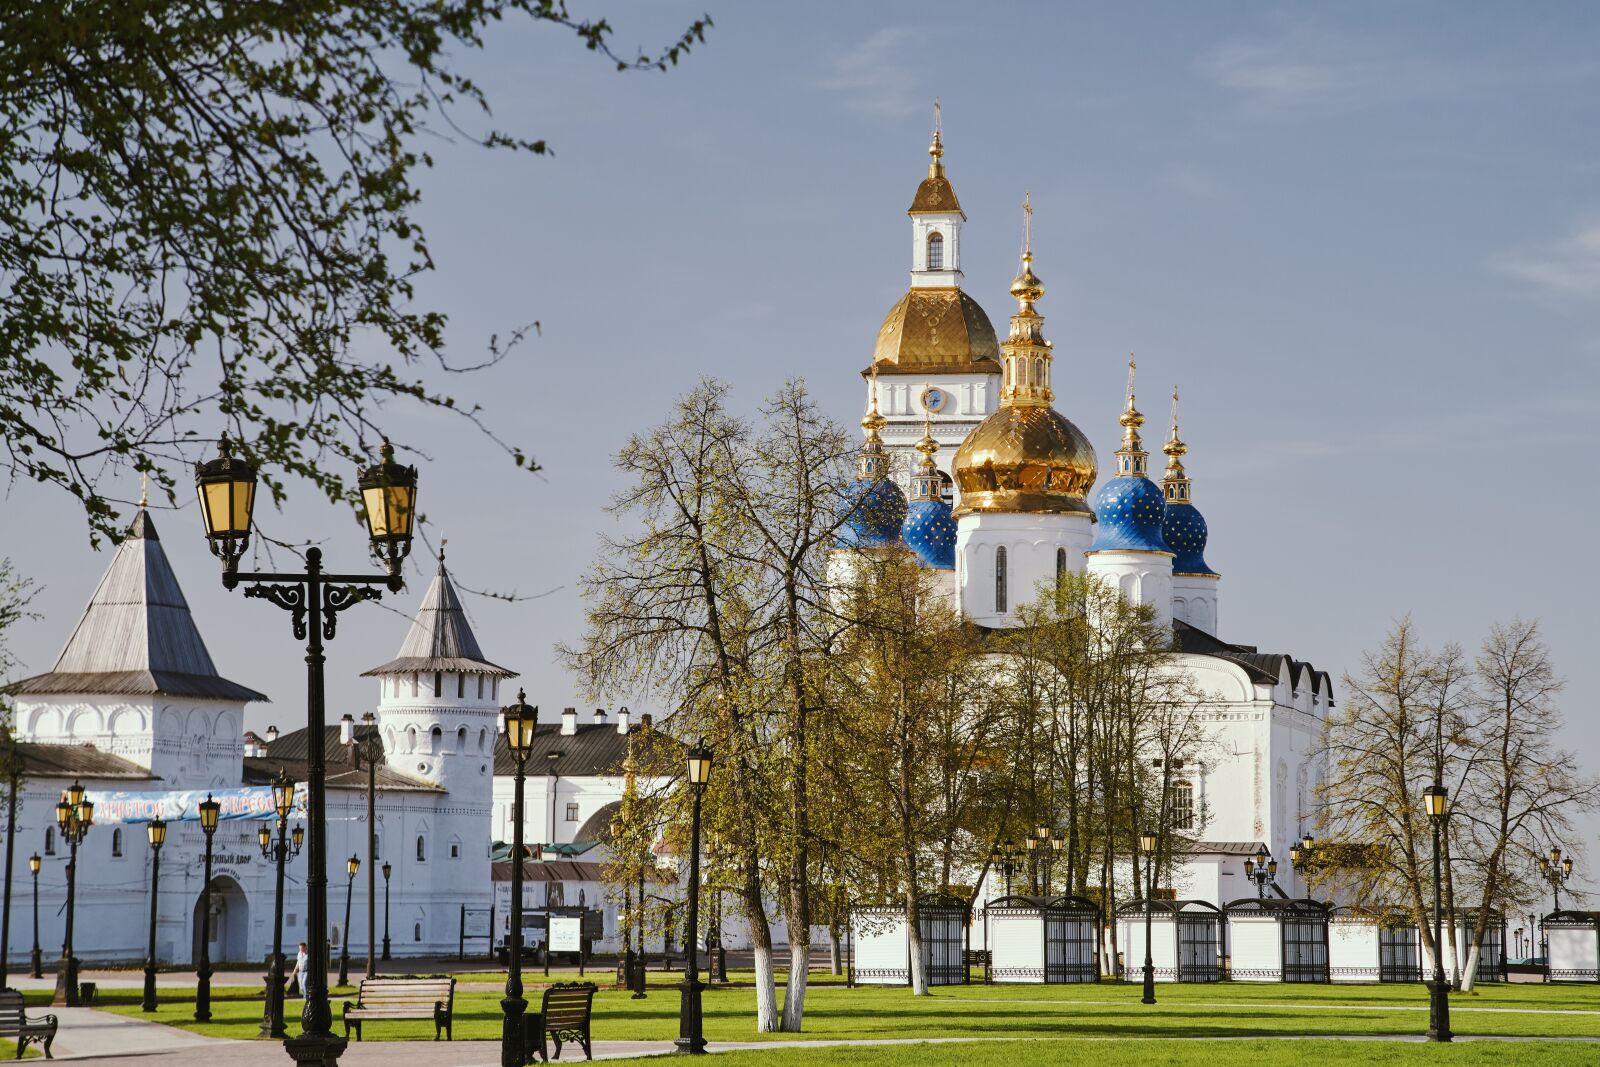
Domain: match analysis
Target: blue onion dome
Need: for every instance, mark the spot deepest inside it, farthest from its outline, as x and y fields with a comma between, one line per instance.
x=1182, y=524
x=929, y=531
x=875, y=507
x=1129, y=508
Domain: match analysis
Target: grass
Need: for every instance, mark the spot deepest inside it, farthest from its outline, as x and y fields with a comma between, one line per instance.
x=1106, y=1010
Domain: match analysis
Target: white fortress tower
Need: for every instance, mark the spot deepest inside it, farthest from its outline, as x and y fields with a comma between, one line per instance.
x=1128, y=552
x=1021, y=519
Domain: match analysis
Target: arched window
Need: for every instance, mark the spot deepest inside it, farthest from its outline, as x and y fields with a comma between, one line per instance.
x=436, y=737
x=116, y=841
x=1182, y=805
x=416, y=932
x=49, y=840
x=480, y=687
x=438, y=684
x=1000, y=580
x=422, y=849
x=1038, y=371
x=461, y=686
x=935, y=251
x=461, y=739
x=1061, y=564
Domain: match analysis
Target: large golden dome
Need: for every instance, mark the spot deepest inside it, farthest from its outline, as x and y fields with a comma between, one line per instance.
x=1025, y=458
x=941, y=330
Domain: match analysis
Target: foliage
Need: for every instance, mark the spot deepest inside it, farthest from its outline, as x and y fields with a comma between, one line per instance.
x=209, y=221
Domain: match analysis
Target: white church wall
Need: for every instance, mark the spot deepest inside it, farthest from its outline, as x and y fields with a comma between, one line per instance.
x=1030, y=542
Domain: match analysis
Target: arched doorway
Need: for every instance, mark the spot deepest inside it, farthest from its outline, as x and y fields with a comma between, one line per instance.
x=229, y=929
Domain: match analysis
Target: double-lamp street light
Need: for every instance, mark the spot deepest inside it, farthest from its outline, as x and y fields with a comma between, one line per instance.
x=314, y=599
x=279, y=853
x=74, y=816
x=1557, y=872
x=1263, y=870
x=1437, y=798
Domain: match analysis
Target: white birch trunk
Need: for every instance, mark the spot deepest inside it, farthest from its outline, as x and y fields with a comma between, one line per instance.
x=1469, y=973
x=794, y=998
x=766, y=990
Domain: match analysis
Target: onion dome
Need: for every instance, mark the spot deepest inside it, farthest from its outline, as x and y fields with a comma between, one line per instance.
x=1025, y=456
x=929, y=530
x=1182, y=525
x=875, y=505
x=1130, y=507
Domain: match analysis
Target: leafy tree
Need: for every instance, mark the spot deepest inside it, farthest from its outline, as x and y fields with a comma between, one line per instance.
x=208, y=216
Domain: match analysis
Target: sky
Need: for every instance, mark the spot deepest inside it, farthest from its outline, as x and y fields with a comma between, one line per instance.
x=1364, y=240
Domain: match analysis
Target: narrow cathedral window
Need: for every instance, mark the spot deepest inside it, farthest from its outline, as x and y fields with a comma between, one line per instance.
x=438, y=684
x=461, y=685
x=49, y=840
x=480, y=687
x=116, y=842
x=416, y=932
x=1061, y=564
x=1183, y=806
x=422, y=850
x=935, y=252
x=1000, y=580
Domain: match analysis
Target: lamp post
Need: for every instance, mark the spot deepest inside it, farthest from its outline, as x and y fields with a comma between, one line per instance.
x=1147, y=845
x=543, y=855
x=1437, y=797
x=1300, y=858
x=157, y=831
x=1004, y=856
x=37, y=959
x=691, y=1039
x=366, y=744
x=279, y=852
x=13, y=760
x=1557, y=872
x=351, y=866
x=74, y=816
x=520, y=723
x=209, y=812
x=314, y=599
x=387, y=870
x=1263, y=871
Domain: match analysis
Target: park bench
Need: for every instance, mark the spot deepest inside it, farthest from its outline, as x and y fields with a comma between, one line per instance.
x=563, y=1016
x=403, y=997
x=15, y=1024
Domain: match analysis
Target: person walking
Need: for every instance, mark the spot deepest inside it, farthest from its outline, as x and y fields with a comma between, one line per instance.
x=302, y=960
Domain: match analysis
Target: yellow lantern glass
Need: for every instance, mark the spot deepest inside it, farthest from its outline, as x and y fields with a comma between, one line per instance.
x=1147, y=841
x=227, y=489
x=699, y=765
x=283, y=794
x=264, y=837
x=521, y=721
x=389, y=501
x=353, y=866
x=34, y=863
x=85, y=813
x=76, y=794
x=157, y=829
x=210, y=812
x=298, y=835
x=64, y=813
x=387, y=870
x=1437, y=798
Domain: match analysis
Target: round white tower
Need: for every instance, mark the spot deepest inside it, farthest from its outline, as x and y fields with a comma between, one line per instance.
x=1021, y=520
x=1128, y=552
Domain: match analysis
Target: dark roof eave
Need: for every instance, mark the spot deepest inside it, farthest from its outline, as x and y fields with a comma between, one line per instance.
x=414, y=664
x=135, y=683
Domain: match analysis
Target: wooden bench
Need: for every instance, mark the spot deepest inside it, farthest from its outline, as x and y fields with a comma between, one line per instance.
x=15, y=1024
x=403, y=997
x=563, y=1016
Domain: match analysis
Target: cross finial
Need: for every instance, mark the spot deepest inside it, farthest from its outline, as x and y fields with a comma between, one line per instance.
x=1027, y=224
x=442, y=542
x=938, y=125
x=1174, y=412
x=1132, y=366
x=144, y=489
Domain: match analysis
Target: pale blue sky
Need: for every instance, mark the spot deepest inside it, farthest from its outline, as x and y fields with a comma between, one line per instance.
x=1363, y=238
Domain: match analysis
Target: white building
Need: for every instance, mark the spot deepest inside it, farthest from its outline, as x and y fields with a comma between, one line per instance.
x=968, y=464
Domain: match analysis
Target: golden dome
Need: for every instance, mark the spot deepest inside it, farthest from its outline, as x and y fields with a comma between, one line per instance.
x=936, y=329
x=1025, y=458
x=935, y=195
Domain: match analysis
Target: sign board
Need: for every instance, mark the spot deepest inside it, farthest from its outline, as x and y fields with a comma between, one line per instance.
x=566, y=933
x=475, y=922
x=180, y=805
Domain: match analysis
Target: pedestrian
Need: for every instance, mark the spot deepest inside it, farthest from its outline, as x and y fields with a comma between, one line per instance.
x=296, y=978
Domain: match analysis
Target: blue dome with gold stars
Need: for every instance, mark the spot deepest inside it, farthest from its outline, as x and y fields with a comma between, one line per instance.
x=1130, y=512
x=876, y=509
x=930, y=532
x=1184, y=529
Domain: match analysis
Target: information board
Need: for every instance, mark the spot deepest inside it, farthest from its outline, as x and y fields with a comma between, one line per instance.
x=566, y=932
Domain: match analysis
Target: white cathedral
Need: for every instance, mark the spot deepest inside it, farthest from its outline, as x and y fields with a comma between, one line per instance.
x=968, y=464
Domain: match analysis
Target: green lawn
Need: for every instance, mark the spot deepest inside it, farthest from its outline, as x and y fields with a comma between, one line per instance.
x=1106, y=1010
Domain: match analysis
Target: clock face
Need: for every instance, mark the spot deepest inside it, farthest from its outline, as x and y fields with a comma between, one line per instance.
x=935, y=399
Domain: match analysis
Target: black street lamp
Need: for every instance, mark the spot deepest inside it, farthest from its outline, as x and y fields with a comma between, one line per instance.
x=37, y=959
x=691, y=1039
x=280, y=852
x=351, y=866
x=1437, y=798
x=157, y=831
x=387, y=870
x=1557, y=872
x=1147, y=845
x=1263, y=871
x=520, y=723
x=366, y=745
x=74, y=816
x=1004, y=857
x=314, y=599
x=209, y=812
x=1045, y=846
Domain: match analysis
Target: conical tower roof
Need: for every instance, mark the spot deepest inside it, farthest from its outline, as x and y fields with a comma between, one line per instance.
x=440, y=638
x=137, y=637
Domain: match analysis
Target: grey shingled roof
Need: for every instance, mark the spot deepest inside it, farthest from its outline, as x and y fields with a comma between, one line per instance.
x=290, y=751
x=137, y=637
x=76, y=761
x=595, y=750
x=440, y=638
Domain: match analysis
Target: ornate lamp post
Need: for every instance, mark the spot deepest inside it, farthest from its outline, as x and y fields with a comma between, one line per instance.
x=157, y=831
x=280, y=852
x=387, y=870
x=74, y=816
x=1557, y=872
x=209, y=812
x=37, y=959
x=1437, y=798
x=351, y=866
x=691, y=1039
x=520, y=722
x=314, y=599
x=1004, y=857
x=1263, y=871
x=1147, y=845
